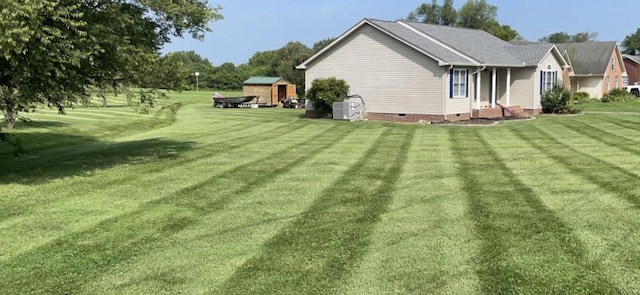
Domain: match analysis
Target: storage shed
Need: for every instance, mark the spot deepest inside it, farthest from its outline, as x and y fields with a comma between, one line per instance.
x=272, y=90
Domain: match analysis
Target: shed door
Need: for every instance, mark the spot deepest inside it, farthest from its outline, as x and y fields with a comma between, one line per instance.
x=274, y=94
x=291, y=90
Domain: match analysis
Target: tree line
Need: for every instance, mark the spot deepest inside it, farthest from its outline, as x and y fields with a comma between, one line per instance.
x=60, y=53
x=227, y=76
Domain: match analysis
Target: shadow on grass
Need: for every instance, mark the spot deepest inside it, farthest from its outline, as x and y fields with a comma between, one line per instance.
x=526, y=248
x=324, y=244
x=82, y=155
x=65, y=264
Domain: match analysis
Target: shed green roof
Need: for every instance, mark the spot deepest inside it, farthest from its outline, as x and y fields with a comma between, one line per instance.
x=262, y=80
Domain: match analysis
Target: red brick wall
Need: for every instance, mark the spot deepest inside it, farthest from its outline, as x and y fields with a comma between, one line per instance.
x=633, y=70
x=612, y=74
x=533, y=112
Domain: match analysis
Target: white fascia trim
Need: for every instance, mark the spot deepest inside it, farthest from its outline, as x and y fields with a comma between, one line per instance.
x=475, y=62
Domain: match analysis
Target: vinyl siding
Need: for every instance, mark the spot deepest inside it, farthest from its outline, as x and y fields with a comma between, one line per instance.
x=459, y=105
x=550, y=59
x=522, y=87
x=591, y=85
x=390, y=76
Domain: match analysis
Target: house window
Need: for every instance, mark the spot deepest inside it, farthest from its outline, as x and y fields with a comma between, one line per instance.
x=548, y=79
x=613, y=64
x=617, y=85
x=625, y=81
x=608, y=81
x=459, y=83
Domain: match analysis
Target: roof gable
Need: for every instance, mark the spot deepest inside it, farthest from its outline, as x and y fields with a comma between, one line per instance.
x=633, y=58
x=453, y=46
x=262, y=80
x=589, y=58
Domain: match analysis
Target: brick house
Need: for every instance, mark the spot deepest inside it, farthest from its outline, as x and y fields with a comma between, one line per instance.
x=632, y=65
x=595, y=67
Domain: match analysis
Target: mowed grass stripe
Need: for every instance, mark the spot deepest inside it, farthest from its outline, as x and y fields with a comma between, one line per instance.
x=247, y=177
x=425, y=243
x=93, y=157
x=220, y=242
x=599, y=134
x=517, y=229
x=603, y=222
x=79, y=257
x=322, y=246
x=623, y=183
x=623, y=121
x=29, y=205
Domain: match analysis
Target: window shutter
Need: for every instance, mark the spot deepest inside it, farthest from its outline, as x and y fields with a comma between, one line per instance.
x=451, y=83
x=555, y=78
x=541, y=81
x=466, y=83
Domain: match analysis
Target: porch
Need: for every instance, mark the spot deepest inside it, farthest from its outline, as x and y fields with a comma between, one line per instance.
x=499, y=112
x=492, y=93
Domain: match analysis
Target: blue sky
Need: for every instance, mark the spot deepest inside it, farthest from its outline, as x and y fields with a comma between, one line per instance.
x=259, y=25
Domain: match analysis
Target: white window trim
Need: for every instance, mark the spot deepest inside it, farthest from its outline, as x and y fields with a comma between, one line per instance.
x=613, y=64
x=460, y=80
x=608, y=82
x=549, y=78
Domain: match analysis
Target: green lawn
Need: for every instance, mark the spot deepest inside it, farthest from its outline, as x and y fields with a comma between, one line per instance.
x=263, y=201
x=629, y=106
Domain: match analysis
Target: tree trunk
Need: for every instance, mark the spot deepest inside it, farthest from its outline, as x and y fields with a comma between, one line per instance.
x=10, y=118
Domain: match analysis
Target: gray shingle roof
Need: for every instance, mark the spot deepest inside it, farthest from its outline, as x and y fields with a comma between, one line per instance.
x=478, y=44
x=454, y=46
x=588, y=58
x=530, y=53
x=633, y=58
x=402, y=32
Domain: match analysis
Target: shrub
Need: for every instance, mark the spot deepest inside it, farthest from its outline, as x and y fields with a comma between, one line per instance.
x=557, y=101
x=582, y=98
x=324, y=92
x=618, y=95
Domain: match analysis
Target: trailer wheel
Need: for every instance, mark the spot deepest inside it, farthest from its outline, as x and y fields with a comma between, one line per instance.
x=635, y=92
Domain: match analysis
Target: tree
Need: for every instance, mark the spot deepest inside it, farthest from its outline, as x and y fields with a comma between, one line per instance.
x=477, y=14
x=321, y=45
x=448, y=14
x=631, y=43
x=52, y=50
x=426, y=13
x=564, y=37
x=289, y=56
x=505, y=32
x=193, y=63
x=434, y=13
x=474, y=14
x=558, y=37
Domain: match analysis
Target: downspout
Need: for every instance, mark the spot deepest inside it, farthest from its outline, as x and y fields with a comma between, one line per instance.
x=444, y=95
x=477, y=91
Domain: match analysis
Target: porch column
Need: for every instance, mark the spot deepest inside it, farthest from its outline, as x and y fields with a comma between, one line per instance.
x=508, y=102
x=478, y=81
x=493, y=87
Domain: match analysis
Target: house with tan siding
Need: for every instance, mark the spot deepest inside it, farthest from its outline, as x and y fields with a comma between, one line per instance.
x=595, y=67
x=409, y=71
